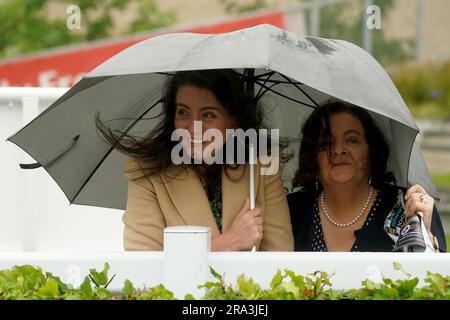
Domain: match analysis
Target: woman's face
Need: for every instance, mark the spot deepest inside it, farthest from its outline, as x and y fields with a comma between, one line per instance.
x=349, y=152
x=198, y=104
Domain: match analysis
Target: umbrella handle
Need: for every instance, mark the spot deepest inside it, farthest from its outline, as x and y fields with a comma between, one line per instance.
x=58, y=154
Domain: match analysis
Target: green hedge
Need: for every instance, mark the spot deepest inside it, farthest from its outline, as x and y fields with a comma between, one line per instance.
x=425, y=88
x=27, y=282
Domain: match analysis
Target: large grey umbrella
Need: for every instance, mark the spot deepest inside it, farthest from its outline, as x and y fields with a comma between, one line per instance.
x=291, y=74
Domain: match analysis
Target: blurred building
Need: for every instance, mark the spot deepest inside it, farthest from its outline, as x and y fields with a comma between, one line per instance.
x=402, y=22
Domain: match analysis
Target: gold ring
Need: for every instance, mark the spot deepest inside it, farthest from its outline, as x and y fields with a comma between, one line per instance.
x=421, y=198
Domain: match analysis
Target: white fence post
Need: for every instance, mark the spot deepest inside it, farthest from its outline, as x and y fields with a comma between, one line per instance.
x=186, y=250
x=30, y=185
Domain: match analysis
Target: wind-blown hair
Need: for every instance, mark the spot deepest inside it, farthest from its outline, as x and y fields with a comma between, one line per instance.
x=155, y=148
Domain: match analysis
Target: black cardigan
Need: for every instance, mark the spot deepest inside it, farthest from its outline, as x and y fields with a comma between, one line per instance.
x=370, y=238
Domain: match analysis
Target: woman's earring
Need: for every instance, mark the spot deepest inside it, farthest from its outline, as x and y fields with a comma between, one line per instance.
x=317, y=185
x=370, y=181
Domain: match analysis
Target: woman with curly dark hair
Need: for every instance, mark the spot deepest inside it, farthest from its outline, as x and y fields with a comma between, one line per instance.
x=163, y=192
x=346, y=192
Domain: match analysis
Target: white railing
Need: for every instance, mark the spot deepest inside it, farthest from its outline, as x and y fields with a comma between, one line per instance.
x=34, y=213
x=186, y=259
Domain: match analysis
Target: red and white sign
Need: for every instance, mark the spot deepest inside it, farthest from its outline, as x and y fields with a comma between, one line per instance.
x=63, y=68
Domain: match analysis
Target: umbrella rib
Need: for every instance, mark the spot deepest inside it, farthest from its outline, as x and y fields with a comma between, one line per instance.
x=112, y=148
x=259, y=95
x=265, y=74
x=266, y=77
x=303, y=91
x=127, y=118
x=284, y=96
x=268, y=88
x=270, y=74
x=164, y=73
x=283, y=82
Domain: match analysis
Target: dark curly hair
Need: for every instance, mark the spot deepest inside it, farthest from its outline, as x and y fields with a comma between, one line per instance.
x=155, y=148
x=316, y=133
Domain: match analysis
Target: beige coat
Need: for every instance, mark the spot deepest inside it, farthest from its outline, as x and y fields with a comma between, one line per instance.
x=156, y=202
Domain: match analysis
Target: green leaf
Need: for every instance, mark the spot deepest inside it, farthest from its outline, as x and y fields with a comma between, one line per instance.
x=215, y=274
x=210, y=285
x=62, y=286
x=399, y=267
x=408, y=286
x=369, y=284
x=158, y=292
x=276, y=280
x=128, y=288
x=51, y=289
x=103, y=294
x=100, y=278
x=248, y=288
x=86, y=288
x=437, y=282
x=299, y=280
x=290, y=287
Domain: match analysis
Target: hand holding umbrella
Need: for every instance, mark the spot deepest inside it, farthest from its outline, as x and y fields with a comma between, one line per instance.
x=245, y=230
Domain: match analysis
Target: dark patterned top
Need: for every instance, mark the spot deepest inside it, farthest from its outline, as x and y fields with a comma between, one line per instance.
x=215, y=201
x=318, y=242
x=307, y=228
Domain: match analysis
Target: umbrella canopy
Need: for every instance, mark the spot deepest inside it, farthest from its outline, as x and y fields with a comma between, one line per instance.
x=291, y=74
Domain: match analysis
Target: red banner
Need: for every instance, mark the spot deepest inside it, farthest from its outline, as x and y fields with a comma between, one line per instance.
x=63, y=68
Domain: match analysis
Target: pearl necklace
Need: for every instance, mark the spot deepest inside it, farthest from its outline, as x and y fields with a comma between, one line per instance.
x=343, y=225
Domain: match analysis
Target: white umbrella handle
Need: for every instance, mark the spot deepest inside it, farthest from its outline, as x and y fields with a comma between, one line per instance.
x=252, y=179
